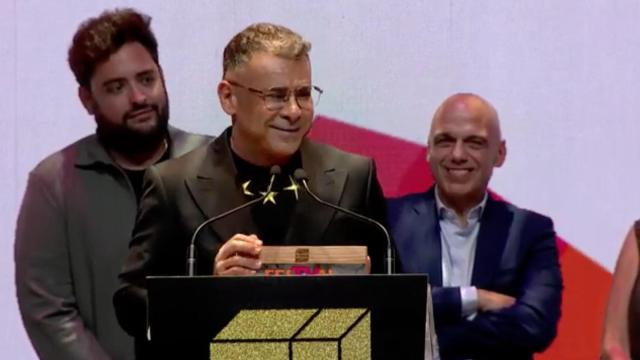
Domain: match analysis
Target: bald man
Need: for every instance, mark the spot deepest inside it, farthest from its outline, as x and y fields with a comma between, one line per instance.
x=493, y=266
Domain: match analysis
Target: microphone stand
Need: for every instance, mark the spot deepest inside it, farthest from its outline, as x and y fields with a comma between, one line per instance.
x=301, y=176
x=191, y=259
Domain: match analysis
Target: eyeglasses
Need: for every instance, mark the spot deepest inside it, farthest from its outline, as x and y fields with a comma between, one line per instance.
x=276, y=98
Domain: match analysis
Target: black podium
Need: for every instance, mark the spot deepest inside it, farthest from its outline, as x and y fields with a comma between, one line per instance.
x=288, y=317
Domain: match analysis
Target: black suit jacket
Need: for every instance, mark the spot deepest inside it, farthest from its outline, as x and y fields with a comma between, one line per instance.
x=181, y=194
x=516, y=255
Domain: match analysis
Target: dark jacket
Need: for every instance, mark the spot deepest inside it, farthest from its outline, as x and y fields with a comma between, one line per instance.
x=516, y=255
x=181, y=194
x=72, y=237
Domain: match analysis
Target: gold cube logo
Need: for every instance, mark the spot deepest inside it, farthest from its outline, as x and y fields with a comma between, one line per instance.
x=297, y=334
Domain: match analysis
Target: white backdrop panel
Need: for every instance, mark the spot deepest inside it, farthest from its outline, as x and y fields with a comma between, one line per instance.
x=563, y=76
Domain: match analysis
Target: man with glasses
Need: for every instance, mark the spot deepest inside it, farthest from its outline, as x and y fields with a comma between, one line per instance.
x=267, y=91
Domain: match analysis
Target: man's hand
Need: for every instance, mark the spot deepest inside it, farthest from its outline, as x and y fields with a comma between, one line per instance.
x=489, y=300
x=238, y=256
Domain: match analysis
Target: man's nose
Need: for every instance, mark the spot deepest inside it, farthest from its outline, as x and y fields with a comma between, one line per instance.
x=137, y=95
x=458, y=152
x=291, y=109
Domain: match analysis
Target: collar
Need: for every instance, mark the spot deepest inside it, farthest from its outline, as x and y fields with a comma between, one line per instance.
x=472, y=215
x=90, y=152
x=247, y=170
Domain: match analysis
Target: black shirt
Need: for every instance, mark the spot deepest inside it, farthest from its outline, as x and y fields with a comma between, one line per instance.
x=137, y=176
x=272, y=220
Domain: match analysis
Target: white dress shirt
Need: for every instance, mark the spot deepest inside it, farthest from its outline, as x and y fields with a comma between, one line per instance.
x=458, y=243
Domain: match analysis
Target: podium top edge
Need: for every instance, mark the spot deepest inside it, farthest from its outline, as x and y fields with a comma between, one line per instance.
x=408, y=276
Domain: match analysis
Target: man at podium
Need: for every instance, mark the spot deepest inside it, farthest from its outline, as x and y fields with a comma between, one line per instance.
x=268, y=93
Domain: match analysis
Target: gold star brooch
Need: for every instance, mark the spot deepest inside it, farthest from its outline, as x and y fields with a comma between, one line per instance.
x=271, y=197
x=293, y=187
x=245, y=188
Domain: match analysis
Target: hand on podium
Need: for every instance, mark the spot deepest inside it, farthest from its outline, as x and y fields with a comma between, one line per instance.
x=240, y=255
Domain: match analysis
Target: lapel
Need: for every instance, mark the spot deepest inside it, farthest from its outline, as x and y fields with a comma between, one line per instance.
x=425, y=255
x=492, y=237
x=311, y=219
x=215, y=190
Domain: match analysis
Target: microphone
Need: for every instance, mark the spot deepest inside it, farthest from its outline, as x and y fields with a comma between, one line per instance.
x=301, y=176
x=191, y=259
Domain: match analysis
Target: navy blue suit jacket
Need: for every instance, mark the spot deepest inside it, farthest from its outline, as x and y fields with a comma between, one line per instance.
x=516, y=255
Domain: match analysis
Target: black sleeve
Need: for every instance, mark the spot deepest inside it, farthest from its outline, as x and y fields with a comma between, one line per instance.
x=151, y=240
x=377, y=210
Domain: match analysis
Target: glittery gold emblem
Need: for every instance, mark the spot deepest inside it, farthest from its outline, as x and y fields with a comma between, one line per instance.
x=298, y=334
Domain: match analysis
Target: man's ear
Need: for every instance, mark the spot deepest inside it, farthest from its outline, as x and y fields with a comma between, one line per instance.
x=228, y=101
x=87, y=99
x=502, y=154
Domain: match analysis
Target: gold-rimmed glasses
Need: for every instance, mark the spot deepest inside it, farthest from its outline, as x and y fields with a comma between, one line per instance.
x=276, y=98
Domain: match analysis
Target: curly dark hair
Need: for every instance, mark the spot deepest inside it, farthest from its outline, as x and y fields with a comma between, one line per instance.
x=98, y=38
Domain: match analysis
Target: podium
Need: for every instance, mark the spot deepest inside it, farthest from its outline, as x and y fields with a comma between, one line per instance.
x=289, y=317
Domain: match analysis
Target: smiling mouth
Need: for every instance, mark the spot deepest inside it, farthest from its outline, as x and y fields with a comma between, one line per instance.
x=458, y=172
x=288, y=130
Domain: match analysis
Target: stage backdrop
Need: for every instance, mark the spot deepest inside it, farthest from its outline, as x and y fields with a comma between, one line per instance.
x=564, y=77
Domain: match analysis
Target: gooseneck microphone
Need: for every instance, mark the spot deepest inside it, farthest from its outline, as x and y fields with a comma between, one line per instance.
x=301, y=176
x=191, y=260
